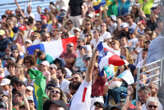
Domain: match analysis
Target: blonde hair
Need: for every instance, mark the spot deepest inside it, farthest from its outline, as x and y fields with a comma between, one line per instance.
x=128, y=55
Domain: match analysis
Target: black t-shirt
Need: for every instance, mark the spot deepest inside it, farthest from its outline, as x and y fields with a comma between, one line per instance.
x=151, y=25
x=75, y=7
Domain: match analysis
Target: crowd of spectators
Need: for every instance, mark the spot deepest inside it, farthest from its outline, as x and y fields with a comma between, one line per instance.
x=73, y=81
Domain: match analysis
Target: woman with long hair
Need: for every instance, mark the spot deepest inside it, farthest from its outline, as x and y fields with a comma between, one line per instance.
x=55, y=93
x=125, y=54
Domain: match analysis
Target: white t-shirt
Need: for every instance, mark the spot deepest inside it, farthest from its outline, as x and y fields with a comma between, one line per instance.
x=105, y=35
x=63, y=4
x=94, y=42
x=113, y=27
x=134, y=42
x=37, y=17
x=31, y=14
x=82, y=98
x=64, y=86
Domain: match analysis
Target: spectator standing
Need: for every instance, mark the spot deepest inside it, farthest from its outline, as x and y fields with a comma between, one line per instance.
x=75, y=8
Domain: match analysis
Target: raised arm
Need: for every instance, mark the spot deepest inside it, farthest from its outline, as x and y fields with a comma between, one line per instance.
x=88, y=76
x=19, y=8
x=10, y=104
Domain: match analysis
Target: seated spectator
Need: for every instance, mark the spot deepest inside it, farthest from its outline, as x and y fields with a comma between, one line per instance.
x=41, y=56
x=69, y=56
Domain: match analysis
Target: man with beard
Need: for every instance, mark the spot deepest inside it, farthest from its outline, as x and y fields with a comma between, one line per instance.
x=81, y=90
x=69, y=56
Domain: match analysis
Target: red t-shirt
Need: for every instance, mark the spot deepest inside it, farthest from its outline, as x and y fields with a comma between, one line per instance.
x=98, y=87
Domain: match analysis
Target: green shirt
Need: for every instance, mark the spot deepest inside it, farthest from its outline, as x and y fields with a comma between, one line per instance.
x=146, y=6
x=112, y=9
x=48, y=58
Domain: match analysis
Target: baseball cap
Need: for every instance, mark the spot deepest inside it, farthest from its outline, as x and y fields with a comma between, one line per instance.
x=91, y=15
x=124, y=25
x=30, y=88
x=2, y=32
x=70, y=44
x=77, y=29
x=30, y=98
x=5, y=82
x=45, y=63
x=113, y=17
x=22, y=28
x=53, y=66
x=99, y=104
x=28, y=41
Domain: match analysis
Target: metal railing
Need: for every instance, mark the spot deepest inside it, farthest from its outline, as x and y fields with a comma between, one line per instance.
x=154, y=72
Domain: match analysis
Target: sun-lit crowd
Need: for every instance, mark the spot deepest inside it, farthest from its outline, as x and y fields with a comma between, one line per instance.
x=73, y=81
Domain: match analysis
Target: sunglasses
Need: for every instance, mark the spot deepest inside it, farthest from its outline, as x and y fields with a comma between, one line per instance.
x=87, y=24
x=26, y=62
x=55, y=92
x=152, y=106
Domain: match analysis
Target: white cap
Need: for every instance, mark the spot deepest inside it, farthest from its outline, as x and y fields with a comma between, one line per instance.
x=91, y=15
x=53, y=66
x=114, y=18
x=30, y=98
x=124, y=25
x=29, y=41
x=4, y=82
x=77, y=29
x=30, y=88
x=45, y=63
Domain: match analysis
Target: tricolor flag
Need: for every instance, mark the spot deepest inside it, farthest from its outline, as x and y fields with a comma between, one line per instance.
x=107, y=56
x=97, y=4
x=100, y=3
x=53, y=48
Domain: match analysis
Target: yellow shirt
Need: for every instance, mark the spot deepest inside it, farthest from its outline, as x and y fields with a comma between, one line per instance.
x=11, y=34
x=146, y=6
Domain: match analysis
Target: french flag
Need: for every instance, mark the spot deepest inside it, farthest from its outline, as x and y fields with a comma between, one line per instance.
x=54, y=48
x=107, y=56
